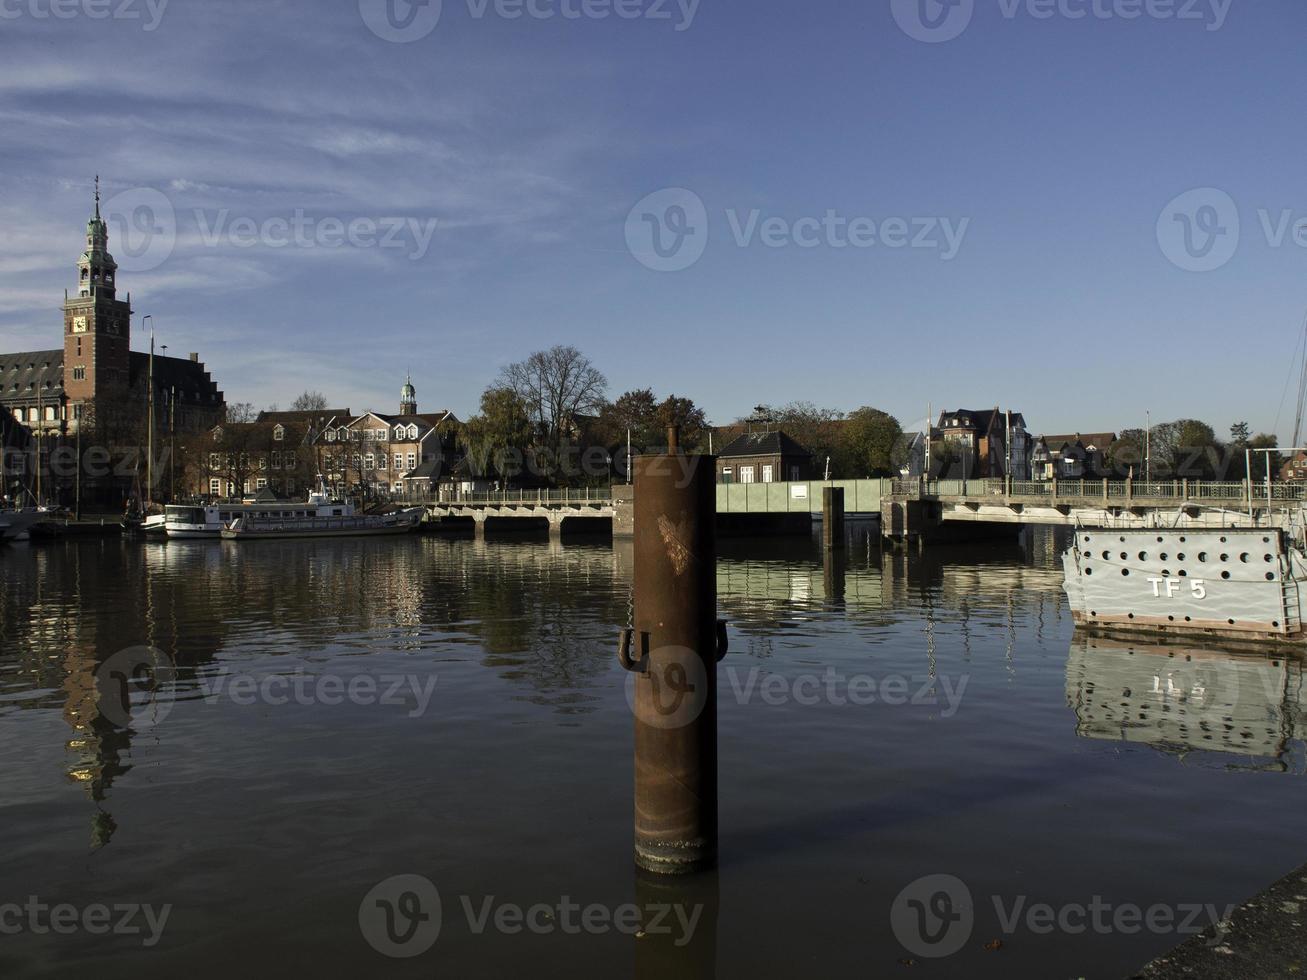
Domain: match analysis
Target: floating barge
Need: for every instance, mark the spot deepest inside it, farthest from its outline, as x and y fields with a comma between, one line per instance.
x=1233, y=583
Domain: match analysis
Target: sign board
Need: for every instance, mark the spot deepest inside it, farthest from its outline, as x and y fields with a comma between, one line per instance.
x=799, y=491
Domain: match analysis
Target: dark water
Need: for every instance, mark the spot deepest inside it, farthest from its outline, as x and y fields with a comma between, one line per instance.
x=1032, y=766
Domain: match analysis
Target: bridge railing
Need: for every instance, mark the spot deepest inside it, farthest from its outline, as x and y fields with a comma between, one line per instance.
x=484, y=498
x=1113, y=490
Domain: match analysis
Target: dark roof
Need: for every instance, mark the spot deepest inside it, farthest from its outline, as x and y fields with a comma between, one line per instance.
x=424, y=470
x=188, y=377
x=42, y=369
x=1100, y=440
x=308, y=415
x=764, y=444
x=983, y=421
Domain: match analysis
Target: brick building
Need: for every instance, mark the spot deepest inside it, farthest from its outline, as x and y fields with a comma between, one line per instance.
x=375, y=453
x=96, y=382
x=985, y=443
x=763, y=457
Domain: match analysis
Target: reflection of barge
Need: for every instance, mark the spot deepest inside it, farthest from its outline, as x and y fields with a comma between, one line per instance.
x=1184, y=699
x=1241, y=583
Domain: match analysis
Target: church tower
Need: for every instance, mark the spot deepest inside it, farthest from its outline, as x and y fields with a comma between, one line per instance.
x=408, y=399
x=97, y=325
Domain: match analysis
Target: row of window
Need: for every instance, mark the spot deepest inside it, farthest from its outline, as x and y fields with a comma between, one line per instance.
x=747, y=474
x=51, y=413
x=400, y=434
x=376, y=461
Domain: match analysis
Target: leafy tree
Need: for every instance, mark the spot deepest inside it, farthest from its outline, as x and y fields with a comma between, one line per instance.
x=633, y=411
x=1184, y=449
x=500, y=436
x=675, y=410
x=871, y=439
x=1259, y=459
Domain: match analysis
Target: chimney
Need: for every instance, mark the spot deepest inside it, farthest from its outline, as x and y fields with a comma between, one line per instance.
x=195, y=358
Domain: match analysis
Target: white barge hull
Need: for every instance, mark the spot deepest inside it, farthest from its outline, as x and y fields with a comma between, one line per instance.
x=1229, y=582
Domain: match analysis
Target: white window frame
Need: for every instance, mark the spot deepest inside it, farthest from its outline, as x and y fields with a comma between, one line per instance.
x=746, y=474
x=767, y=473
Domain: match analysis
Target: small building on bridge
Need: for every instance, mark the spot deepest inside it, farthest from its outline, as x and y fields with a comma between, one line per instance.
x=763, y=457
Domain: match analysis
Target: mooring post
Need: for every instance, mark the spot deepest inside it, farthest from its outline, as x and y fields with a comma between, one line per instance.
x=832, y=517
x=672, y=653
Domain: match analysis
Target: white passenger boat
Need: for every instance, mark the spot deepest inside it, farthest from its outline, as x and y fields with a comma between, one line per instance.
x=256, y=526
x=208, y=521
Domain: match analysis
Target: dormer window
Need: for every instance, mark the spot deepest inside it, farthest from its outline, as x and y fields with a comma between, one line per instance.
x=279, y=433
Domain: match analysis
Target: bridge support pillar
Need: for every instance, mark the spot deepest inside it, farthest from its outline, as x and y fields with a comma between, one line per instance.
x=832, y=518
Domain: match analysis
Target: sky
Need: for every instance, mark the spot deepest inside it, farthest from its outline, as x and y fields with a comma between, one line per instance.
x=1082, y=210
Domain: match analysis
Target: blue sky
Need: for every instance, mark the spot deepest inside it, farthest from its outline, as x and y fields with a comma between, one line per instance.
x=491, y=167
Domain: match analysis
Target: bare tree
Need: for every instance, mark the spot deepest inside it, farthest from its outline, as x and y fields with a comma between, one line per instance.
x=310, y=401
x=241, y=412
x=556, y=386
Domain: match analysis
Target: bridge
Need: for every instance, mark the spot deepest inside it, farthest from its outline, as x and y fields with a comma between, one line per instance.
x=771, y=503
x=907, y=508
x=504, y=509
x=920, y=508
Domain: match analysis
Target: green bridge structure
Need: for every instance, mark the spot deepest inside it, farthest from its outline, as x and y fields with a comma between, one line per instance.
x=906, y=508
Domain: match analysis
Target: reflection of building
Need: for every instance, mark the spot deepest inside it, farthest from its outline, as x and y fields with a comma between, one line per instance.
x=97, y=743
x=1183, y=699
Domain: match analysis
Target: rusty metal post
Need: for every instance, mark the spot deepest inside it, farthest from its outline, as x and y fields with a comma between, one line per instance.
x=832, y=517
x=672, y=654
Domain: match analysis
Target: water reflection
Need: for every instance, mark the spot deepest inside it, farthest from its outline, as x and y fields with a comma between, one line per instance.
x=1184, y=699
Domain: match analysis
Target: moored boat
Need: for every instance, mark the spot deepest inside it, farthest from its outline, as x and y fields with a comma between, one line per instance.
x=1237, y=583
x=207, y=521
x=16, y=525
x=254, y=527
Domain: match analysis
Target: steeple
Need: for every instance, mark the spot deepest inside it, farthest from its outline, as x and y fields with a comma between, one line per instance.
x=408, y=398
x=96, y=269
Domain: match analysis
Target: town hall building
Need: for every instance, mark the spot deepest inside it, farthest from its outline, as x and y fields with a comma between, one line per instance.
x=95, y=380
